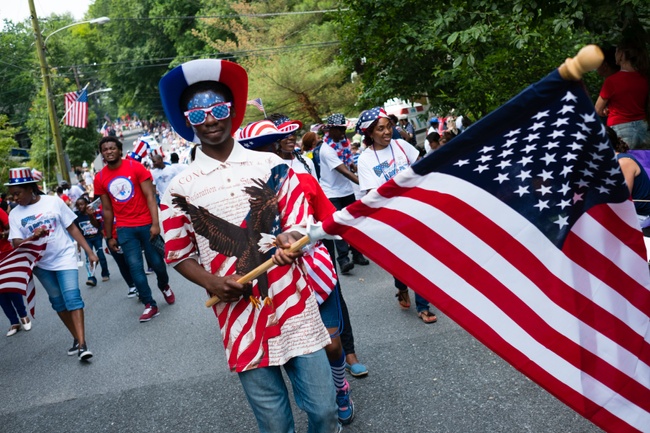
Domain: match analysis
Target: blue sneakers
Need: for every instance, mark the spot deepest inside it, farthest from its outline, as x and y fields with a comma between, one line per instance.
x=346, y=407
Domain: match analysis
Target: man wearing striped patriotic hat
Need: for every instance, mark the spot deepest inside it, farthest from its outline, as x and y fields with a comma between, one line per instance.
x=225, y=215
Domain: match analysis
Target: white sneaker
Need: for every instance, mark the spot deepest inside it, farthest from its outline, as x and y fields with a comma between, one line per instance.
x=133, y=292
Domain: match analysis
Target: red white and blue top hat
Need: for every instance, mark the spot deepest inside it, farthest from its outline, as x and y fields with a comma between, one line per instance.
x=263, y=132
x=173, y=83
x=20, y=176
x=140, y=150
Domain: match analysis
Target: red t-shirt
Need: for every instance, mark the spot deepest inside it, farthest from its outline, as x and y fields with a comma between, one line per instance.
x=626, y=94
x=123, y=187
x=5, y=245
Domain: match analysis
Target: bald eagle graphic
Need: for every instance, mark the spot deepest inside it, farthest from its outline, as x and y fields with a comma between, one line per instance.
x=235, y=241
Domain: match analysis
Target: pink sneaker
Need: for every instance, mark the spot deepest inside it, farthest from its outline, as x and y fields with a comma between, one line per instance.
x=149, y=313
x=169, y=295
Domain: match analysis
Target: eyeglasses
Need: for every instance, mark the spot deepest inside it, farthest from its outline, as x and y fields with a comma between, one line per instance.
x=198, y=116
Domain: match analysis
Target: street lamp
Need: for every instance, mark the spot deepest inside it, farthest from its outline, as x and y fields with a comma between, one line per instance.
x=100, y=20
x=40, y=48
x=108, y=89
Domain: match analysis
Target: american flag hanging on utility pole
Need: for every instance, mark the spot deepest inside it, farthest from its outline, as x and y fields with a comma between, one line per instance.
x=76, y=109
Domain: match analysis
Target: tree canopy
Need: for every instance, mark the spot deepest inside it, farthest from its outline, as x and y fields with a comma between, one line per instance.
x=474, y=55
x=468, y=55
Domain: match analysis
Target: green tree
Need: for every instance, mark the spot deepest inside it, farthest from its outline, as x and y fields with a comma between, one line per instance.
x=291, y=59
x=138, y=45
x=7, y=141
x=473, y=55
x=18, y=74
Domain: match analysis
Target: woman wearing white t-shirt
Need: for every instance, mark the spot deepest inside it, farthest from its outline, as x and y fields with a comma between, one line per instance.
x=383, y=158
x=37, y=216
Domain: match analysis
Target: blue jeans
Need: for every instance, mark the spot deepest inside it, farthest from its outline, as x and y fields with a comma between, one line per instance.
x=634, y=133
x=96, y=244
x=133, y=241
x=123, y=267
x=62, y=288
x=13, y=306
x=421, y=304
x=342, y=247
x=313, y=389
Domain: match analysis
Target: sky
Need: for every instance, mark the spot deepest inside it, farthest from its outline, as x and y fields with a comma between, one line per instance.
x=18, y=10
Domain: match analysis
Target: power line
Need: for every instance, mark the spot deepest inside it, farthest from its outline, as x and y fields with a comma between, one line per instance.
x=228, y=55
x=194, y=17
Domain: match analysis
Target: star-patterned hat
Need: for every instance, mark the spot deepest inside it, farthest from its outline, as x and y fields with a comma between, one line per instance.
x=140, y=150
x=263, y=132
x=335, y=119
x=20, y=176
x=284, y=122
x=173, y=83
x=368, y=117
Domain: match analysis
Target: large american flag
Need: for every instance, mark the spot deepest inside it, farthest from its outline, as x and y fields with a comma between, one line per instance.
x=522, y=231
x=16, y=270
x=76, y=109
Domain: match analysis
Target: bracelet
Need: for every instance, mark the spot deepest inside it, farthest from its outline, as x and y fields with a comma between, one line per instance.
x=109, y=238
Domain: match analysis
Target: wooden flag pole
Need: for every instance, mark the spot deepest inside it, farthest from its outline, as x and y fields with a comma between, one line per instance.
x=588, y=59
x=261, y=268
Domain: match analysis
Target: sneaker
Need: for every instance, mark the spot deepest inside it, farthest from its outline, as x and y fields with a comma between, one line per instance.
x=75, y=348
x=149, y=313
x=346, y=265
x=360, y=260
x=346, y=407
x=84, y=354
x=106, y=278
x=92, y=281
x=149, y=271
x=133, y=292
x=169, y=295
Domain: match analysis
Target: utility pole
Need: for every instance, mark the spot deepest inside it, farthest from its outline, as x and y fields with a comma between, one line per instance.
x=54, y=123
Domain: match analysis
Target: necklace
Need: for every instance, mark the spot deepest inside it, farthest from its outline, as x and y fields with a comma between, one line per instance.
x=381, y=166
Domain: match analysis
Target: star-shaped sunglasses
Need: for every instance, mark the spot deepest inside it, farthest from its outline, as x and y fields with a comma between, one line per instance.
x=198, y=116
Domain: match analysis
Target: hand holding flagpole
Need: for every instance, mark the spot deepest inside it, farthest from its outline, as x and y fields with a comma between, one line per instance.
x=261, y=269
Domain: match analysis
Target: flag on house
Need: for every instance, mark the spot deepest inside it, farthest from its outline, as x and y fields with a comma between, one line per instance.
x=521, y=230
x=257, y=103
x=16, y=270
x=76, y=109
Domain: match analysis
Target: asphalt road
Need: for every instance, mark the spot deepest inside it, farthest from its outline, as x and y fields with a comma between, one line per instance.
x=170, y=375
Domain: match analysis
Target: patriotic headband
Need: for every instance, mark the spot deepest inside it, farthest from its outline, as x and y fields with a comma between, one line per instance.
x=263, y=132
x=368, y=117
x=173, y=83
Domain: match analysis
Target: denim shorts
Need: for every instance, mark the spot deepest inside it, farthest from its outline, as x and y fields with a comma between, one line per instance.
x=330, y=310
x=635, y=134
x=62, y=287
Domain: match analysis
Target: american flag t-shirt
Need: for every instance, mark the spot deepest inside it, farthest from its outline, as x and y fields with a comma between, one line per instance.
x=76, y=108
x=522, y=231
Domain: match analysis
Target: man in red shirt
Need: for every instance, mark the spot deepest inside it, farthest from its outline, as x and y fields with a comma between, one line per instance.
x=127, y=193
